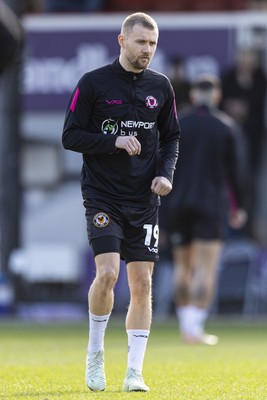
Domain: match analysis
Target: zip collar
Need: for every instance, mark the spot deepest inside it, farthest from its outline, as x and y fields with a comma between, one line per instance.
x=127, y=75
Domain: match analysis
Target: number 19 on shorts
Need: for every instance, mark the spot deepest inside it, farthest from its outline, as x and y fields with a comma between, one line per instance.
x=152, y=235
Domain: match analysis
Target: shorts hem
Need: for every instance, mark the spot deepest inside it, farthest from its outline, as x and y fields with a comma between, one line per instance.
x=129, y=260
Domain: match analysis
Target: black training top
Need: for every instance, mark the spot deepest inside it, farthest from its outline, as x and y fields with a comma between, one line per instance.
x=207, y=169
x=108, y=102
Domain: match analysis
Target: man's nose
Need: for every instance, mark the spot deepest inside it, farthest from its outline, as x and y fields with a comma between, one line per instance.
x=147, y=48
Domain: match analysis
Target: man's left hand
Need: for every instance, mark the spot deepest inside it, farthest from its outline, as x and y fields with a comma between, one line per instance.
x=161, y=186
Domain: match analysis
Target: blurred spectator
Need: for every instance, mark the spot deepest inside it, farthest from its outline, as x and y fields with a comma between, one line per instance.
x=244, y=91
x=198, y=205
x=11, y=36
x=74, y=5
x=181, y=86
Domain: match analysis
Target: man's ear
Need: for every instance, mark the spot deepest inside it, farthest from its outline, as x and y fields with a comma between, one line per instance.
x=217, y=95
x=192, y=95
x=121, y=40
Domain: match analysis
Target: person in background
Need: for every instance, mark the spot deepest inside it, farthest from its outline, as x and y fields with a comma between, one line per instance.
x=180, y=83
x=122, y=117
x=243, y=98
x=206, y=181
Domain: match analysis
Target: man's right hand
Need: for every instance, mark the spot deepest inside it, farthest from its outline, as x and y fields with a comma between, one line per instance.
x=130, y=144
x=237, y=218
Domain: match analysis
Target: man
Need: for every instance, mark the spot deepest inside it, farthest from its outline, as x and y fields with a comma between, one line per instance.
x=206, y=174
x=122, y=117
x=244, y=99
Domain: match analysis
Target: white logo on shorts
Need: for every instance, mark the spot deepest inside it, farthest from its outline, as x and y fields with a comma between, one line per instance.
x=153, y=249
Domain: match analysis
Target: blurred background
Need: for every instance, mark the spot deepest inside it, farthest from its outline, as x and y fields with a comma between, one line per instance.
x=46, y=265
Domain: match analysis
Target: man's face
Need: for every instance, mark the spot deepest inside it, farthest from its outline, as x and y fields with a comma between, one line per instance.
x=138, y=48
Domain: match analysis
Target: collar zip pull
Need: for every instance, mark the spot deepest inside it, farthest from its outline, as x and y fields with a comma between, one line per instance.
x=135, y=78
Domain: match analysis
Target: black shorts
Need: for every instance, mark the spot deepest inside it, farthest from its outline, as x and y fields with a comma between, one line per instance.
x=133, y=232
x=190, y=224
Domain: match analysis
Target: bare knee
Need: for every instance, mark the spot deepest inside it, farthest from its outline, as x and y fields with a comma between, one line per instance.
x=141, y=287
x=106, y=277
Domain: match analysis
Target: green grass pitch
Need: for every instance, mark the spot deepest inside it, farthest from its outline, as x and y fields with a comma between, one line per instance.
x=46, y=361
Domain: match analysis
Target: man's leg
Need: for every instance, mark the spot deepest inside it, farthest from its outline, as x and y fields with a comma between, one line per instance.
x=183, y=272
x=203, y=284
x=205, y=259
x=138, y=322
x=206, y=256
x=100, y=304
x=101, y=295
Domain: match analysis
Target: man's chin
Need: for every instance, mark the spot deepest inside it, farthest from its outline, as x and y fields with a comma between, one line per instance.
x=144, y=64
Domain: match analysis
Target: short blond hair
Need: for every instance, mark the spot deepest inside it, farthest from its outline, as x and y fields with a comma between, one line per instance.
x=138, y=18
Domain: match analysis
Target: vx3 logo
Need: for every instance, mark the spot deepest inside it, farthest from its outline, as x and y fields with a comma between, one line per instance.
x=153, y=250
x=114, y=101
x=142, y=336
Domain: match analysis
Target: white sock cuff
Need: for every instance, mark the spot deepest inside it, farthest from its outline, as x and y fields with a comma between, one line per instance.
x=101, y=318
x=138, y=332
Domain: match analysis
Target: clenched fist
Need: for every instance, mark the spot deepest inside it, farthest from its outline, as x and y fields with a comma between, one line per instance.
x=161, y=186
x=130, y=144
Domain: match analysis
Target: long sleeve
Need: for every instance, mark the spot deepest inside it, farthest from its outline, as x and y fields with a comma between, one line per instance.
x=76, y=136
x=169, y=137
